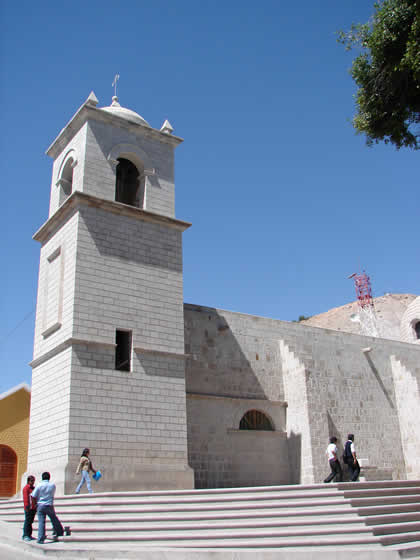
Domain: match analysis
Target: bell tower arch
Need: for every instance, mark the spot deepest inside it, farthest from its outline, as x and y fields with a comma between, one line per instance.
x=108, y=364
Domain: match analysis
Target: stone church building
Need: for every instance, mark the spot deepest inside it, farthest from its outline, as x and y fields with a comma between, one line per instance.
x=173, y=395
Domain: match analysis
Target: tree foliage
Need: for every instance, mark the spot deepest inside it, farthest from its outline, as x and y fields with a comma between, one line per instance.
x=387, y=73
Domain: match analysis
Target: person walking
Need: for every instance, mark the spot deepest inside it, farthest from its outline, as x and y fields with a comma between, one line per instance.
x=44, y=496
x=85, y=465
x=29, y=506
x=350, y=458
x=333, y=461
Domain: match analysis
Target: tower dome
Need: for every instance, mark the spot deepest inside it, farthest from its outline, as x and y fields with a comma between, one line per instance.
x=116, y=109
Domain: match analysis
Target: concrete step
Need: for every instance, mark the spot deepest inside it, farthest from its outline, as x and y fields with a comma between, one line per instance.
x=392, y=518
x=377, y=492
x=331, y=495
x=389, y=528
x=388, y=508
x=233, y=491
x=378, y=484
x=400, y=538
x=385, y=500
x=240, y=542
x=396, y=525
x=219, y=499
x=385, y=513
x=228, y=506
x=197, y=533
x=311, y=514
x=260, y=519
x=353, y=522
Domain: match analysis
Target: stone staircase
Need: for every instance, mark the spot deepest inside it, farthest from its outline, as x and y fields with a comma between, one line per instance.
x=366, y=515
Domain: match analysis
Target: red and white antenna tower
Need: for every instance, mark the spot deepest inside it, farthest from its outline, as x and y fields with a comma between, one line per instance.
x=366, y=316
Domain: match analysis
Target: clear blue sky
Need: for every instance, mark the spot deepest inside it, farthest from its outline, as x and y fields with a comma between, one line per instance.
x=285, y=200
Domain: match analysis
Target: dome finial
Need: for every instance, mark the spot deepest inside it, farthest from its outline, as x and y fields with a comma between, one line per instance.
x=115, y=101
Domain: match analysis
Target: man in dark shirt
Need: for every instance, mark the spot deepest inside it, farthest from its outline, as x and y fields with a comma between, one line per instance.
x=29, y=505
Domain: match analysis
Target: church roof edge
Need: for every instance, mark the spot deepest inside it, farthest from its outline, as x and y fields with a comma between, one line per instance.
x=15, y=389
x=89, y=111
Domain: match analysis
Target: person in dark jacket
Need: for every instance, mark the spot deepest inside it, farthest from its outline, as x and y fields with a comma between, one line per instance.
x=29, y=505
x=351, y=458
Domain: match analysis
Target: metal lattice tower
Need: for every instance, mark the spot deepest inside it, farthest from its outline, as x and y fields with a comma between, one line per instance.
x=366, y=317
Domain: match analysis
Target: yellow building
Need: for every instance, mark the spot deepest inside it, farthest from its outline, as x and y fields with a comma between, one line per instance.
x=14, y=430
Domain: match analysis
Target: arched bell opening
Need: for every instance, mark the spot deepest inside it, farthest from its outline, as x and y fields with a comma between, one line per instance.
x=66, y=180
x=129, y=184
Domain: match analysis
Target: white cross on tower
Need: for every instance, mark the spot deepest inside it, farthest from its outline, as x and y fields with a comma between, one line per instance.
x=114, y=83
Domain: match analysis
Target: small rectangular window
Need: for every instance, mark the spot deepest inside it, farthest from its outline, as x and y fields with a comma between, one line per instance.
x=123, y=350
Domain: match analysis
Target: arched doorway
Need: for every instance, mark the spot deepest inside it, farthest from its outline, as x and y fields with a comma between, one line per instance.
x=8, y=471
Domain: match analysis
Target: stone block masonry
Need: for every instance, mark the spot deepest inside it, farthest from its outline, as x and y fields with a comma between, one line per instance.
x=109, y=364
x=126, y=274
x=330, y=385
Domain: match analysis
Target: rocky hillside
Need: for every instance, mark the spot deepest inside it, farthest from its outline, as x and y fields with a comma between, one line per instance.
x=389, y=310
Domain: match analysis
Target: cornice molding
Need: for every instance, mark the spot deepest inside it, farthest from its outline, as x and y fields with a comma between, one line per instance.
x=78, y=199
x=234, y=398
x=140, y=350
x=67, y=344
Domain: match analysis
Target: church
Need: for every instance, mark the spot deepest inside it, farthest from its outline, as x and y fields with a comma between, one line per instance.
x=170, y=395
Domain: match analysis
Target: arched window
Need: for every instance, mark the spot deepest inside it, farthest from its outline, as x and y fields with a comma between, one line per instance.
x=255, y=420
x=8, y=471
x=128, y=184
x=417, y=330
x=66, y=180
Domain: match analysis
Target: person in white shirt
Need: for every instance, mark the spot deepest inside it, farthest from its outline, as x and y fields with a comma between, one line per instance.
x=333, y=461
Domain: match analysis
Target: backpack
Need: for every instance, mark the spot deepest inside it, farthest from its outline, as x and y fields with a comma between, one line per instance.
x=347, y=455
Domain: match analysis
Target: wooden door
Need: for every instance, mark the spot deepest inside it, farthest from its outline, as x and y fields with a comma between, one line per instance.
x=8, y=471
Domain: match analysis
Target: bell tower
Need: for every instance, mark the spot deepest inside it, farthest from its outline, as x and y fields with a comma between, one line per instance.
x=108, y=365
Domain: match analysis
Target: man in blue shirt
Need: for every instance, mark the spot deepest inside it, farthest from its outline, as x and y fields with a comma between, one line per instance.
x=44, y=496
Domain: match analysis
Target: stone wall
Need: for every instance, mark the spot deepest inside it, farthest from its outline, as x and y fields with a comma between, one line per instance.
x=95, y=149
x=298, y=423
x=224, y=456
x=55, y=300
x=116, y=271
x=75, y=149
x=106, y=143
x=407, y=397
x=229, y=372
x=353, y=391
x=49, y=420
x=128, y=276
x=134, y=422
x=331, y=387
